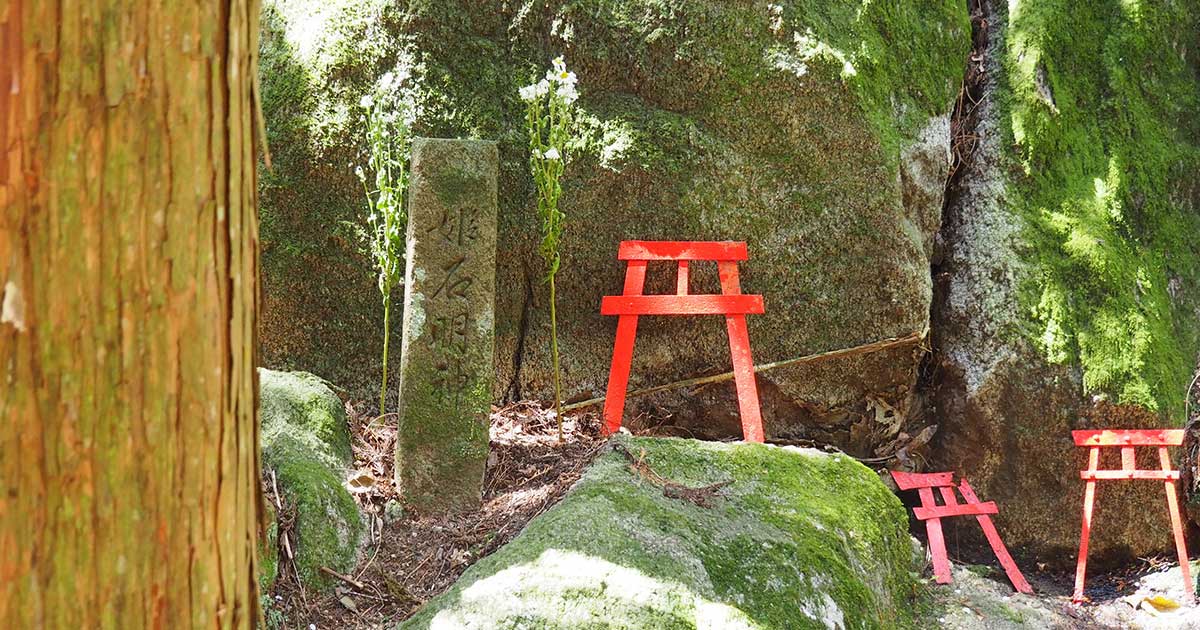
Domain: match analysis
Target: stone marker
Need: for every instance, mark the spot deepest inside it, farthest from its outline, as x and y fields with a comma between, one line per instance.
x=449, y=302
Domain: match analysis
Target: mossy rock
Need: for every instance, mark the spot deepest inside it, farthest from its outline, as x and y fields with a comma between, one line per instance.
x=800, y=539
x=306, y=442
x=815, y=130
x=268, y=552
x=1072, y=271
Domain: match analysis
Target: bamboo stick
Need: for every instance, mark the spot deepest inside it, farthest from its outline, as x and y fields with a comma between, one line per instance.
x=874, y=346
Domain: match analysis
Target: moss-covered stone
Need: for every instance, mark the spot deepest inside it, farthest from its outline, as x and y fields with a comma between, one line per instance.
x=800, y=539
x=268, y=551
x=306, y=442
x=794, y=126
x=449, y=325
x=1072, y=269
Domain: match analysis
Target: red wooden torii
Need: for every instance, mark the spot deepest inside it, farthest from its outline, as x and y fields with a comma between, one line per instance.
x=1127, y=440
x=932, y=514
x=731, y=303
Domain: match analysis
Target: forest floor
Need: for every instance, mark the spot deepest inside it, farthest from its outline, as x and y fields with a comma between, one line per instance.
x=409, y=558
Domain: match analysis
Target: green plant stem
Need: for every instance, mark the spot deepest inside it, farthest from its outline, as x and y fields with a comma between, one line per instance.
x=554, y=353
x=387, y=307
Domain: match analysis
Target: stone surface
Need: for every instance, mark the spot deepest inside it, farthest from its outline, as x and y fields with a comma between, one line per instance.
x=816, y=131
x=1068, y=295
x=306, y=442
x=800, y=539
x=449, y=320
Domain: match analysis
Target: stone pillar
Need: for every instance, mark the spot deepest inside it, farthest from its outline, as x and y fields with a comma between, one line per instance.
x=449, y=303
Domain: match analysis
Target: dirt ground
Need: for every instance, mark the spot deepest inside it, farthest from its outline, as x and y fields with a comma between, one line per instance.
x=1149, y=596
x=409, y=558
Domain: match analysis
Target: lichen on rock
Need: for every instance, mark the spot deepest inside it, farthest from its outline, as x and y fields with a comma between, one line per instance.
x=1071, y=280
x=800, y=539
x=811, y=129
x=306, y=443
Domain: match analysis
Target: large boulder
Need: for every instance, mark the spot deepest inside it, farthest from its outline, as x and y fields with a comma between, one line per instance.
x=798, y=539
x=1068, y=295
x=306, y=444
x=816, y=131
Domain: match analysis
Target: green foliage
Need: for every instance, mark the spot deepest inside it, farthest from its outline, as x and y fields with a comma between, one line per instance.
x=387, y=124
x=1102, y=98
x=548, y=121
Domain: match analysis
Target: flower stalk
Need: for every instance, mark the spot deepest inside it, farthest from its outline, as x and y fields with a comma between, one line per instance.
x=384, y=181
x=549, y=107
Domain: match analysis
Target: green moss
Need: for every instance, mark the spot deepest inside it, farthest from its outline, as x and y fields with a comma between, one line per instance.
x=799, y=540
x=1102, y=99
x=306, y=441
x=697, y=124
x=442, y=446
x=328, y=526
x=268, y=553
x=300, y=404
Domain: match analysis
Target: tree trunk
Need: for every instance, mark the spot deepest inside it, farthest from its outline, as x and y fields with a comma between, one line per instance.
x=129, y=458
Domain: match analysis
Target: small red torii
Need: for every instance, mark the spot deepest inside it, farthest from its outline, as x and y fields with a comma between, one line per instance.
x=1127, y=440
x=731, y=303
x=932, y=513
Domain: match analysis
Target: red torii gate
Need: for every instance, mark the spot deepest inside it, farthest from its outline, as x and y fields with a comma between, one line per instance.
x=1127, y=440
x=731, y=303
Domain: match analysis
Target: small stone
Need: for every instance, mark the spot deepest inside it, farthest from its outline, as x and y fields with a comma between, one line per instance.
x=393, y=511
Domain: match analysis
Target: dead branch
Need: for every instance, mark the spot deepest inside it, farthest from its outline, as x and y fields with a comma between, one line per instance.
x=700, y=497
x=874, y=346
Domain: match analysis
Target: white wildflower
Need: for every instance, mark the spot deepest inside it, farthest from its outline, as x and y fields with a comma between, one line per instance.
x=366, y=100
x=529, y=92
x=552, y=154
x=567, y=93
x=385, y=81
x=560, y=66
x=543, y=87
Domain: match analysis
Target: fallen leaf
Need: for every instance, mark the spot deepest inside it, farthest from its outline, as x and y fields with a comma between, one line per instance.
x=1160, y=603
x=348, y=603
x=361, y=482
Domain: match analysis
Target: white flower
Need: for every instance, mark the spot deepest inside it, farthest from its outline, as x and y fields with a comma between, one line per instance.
x=559, y=65
x=365, y=101
x=529, y=93
x=567, y=93
x=385, y=81
x=538, y=153
x=552, y=154
x=543, y=87
x=358, y=171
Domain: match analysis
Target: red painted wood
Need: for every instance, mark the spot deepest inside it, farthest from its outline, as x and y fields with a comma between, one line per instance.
x=681, y=305
x=1126, y=440
x=681, y=281
x=739, y=350
x=618, y=374
x=911, y=481
x=993, y=538
x=1089, y=499
x=1189, y=588
x=937, y=544
x=1128, y=437
x=730, y=303
x=932, y=513
x=961, y=509
x=1105, y=475
x=682, y=250
x=1128, y=461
